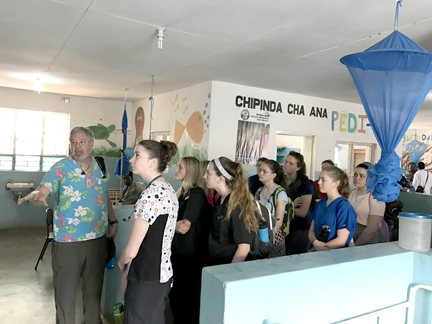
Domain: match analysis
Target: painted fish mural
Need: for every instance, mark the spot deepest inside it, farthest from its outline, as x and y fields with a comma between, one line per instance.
x=194, y=127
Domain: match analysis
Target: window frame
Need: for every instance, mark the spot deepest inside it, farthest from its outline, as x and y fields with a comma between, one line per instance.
x=41, y=156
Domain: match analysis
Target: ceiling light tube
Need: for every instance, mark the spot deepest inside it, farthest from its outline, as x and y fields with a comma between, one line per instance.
x=160, y=37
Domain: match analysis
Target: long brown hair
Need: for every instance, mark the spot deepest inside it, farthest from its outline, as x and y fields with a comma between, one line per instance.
x=338, y=175
x=276, y=168
x=301, y=172
x=240, y=194
x=191, y=165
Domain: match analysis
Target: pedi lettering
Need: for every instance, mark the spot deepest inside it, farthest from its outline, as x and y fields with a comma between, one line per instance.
x=348, y=122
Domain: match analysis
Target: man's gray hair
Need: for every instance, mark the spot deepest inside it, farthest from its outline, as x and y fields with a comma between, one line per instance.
x=86, y=130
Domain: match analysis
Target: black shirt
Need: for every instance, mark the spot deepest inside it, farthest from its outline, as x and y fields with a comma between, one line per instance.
x=300, y=223
x=254, y=184
x=226, y=235
x=191, y=248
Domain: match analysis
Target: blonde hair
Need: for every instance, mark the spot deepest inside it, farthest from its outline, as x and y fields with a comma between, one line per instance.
x=201, y=181
x=240, y=194
x=192, y=168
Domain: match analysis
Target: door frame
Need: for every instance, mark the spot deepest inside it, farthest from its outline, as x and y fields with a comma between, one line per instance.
x=310, y=170
x=351, y=166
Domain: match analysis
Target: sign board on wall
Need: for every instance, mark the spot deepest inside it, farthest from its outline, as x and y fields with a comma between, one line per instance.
x=341, y=121
x=253, y=132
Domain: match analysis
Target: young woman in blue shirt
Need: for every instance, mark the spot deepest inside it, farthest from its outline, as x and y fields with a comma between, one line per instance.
x=333, y=219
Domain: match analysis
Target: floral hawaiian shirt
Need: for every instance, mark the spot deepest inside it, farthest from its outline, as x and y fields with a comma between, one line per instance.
x=80, y=211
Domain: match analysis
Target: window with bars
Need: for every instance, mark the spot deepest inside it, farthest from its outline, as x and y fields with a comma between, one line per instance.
x=32, y=140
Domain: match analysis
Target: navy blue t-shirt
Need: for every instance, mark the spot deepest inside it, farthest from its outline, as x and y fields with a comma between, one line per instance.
x=339, y=214
x=300, y=223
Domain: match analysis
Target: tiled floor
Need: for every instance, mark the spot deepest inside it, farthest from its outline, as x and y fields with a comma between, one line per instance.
x=26, y=295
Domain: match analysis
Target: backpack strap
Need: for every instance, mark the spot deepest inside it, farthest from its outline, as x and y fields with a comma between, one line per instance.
x=258, y=192
x=276, y=194
x=100, y=161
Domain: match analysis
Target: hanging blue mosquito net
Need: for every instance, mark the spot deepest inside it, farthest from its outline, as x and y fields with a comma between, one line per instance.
x=416, y=150
x=392, y=78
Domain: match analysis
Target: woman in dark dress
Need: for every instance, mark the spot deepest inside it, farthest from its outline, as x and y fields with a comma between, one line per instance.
x=300, y=188
x=189, y=247
x=234, y=224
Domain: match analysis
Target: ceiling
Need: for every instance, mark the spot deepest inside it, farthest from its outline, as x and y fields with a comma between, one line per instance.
x=97, y=48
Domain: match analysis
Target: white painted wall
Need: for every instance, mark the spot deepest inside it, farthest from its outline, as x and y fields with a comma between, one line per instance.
x=223, y=125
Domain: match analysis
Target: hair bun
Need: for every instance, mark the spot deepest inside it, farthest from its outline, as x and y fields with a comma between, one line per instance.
x=169, y=149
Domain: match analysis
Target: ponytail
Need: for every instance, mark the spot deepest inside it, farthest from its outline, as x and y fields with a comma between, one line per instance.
x=338, y=175
x=276, y=168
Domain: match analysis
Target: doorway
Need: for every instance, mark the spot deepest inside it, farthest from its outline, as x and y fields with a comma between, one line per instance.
x=304, y=144
x=349, y=155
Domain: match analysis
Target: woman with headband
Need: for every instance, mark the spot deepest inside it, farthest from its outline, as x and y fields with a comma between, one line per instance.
x=233, y=224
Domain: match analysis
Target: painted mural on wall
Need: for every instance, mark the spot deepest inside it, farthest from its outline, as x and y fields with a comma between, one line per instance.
x=253, y=132
x=139, y=125
x=417, y=144
x=192, y=117
x=102, y=133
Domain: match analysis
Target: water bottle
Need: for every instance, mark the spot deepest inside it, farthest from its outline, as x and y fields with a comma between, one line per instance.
x=118, y=312
x=263, y=234
x=324, y=233
x=111, y=264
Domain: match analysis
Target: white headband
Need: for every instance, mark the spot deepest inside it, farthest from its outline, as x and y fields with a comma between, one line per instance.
x=222, y=170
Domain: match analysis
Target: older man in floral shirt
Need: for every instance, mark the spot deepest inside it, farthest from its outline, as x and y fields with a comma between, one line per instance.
x=82, y=214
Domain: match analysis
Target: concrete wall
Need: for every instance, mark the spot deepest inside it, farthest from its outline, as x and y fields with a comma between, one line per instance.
x=416, y=203
x=320, y=287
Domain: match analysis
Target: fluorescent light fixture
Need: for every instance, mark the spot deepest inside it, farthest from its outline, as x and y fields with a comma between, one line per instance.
x=37, y=86
x=160, y=37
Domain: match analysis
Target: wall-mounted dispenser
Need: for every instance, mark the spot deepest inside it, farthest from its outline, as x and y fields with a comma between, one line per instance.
x=19, y=188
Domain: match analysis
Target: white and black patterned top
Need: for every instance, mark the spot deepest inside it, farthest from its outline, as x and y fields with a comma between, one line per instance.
x=157, y=205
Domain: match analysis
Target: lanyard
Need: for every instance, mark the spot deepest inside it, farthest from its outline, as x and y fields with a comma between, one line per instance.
x=160, y=175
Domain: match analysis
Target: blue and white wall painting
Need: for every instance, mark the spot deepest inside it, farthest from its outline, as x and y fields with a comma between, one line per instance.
x=417, y=146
